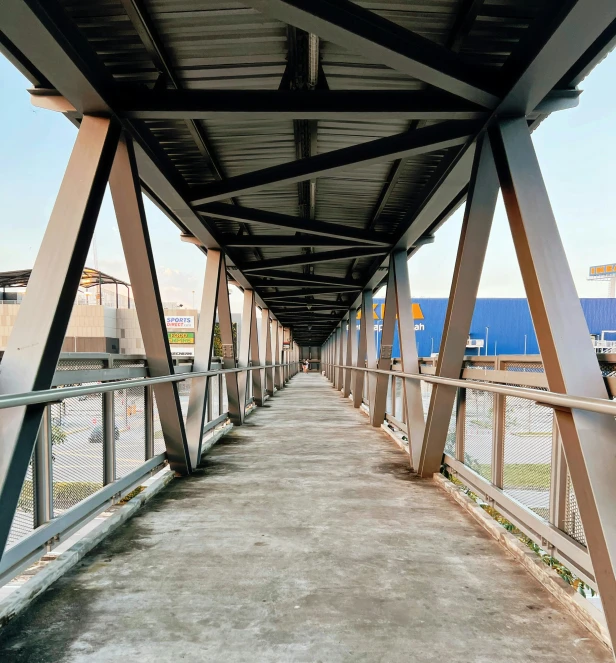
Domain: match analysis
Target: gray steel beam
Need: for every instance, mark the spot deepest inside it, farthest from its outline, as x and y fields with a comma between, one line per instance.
x=200, y=388
x=351, y=353
x=132, y=223
x=292, y=279
x=472, y=247
x=313, y=259
x=377, y=39
x=311, y=227
x=569, y=360
x=258, y=383
x=228, y=347
x=245, y=346
x=265, y=353
x=412, y=400
x=289, y=241
x=29, y=361
x=286, y=105
x=421, y=141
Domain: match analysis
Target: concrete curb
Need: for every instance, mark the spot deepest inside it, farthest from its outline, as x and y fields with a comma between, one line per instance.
x=16, y=602
x=586, y=614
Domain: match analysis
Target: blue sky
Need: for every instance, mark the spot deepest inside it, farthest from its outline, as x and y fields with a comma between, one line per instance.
x=575, y=149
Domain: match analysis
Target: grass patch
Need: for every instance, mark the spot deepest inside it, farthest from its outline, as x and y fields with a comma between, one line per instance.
x=524, y=476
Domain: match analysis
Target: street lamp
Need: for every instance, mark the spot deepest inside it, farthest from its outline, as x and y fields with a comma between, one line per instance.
x=487, y=336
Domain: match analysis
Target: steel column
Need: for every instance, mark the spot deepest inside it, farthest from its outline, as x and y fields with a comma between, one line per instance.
x=228, y=347
x=474, y=236
x=256, y=343
x=204, y=345
x=358, y=380
x=341, y=355
x=30, y=359
x=243, y=359
x=350, y=352
x=569, y=359
x=266, y=351
x=130, y=213
x=413, y=413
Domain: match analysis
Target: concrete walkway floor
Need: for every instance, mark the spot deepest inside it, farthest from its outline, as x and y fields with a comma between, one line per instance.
x=303, y=537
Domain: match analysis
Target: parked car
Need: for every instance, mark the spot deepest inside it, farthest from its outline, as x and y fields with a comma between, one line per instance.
x=97, y=434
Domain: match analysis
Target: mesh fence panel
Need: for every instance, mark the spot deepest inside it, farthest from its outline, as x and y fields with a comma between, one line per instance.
x=184, y=394
x=159, y=440
x=426, y=392
x=450, y=443
x=478, y=432
x=573, y=521
x=523, y=366
x=77, y=451
x=129, y=408
x=225, y=399
x=23, y=521
x=80, y=364
x=528, y=454
x=213, y=396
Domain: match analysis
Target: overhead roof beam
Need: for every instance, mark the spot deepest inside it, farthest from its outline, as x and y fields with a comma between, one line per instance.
x=313, y=259
x=282, y=105
x=299, y=277
x=243, y=214
x=288, y=241
x=373, y=37
x=421, y=141
x=302, y=293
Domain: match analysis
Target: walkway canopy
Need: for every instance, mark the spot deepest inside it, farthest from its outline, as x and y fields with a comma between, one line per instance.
x=306, y=139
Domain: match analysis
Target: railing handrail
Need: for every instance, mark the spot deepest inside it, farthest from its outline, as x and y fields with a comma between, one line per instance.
x=588, y=403
x=60, y=393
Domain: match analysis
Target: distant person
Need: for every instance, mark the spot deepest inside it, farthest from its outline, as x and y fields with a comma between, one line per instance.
x=306, y=365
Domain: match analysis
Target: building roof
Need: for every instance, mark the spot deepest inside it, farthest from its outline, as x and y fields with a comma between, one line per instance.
x=89, y=278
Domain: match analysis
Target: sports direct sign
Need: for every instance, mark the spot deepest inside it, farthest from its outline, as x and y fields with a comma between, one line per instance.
x=180, y=321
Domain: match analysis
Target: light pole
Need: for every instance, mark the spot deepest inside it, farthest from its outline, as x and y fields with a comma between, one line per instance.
x=487, y=336
x=524, y=343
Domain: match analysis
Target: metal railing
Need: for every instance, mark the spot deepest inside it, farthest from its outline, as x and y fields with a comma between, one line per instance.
x=99, y=439
x=503, y=443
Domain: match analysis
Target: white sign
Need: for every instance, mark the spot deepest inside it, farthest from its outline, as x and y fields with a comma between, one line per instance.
x=180, y=321
x=182, y=352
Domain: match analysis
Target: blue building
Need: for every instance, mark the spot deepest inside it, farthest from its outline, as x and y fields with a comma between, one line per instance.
x=505, y=324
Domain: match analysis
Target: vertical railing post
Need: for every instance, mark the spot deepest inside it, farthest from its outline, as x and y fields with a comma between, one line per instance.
x=109, y=455
x=558, y=480
x=498, y=435
x=43, y=471
x=148, y=412
x=342, y=354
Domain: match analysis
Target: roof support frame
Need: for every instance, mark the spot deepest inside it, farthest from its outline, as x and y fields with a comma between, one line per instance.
x=385, y=42
x=421, y=141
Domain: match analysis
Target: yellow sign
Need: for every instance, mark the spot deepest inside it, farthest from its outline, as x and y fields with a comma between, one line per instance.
x=184, y=338
x=378, y=310
x=602, y=271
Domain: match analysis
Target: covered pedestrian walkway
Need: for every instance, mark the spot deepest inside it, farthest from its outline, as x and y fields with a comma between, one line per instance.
x=302, y=536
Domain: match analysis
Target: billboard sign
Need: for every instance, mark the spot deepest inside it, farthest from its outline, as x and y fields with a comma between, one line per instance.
x=602, y=271
x=181, y=338
x=180, y=321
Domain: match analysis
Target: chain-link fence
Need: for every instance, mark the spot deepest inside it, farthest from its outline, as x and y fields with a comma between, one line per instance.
x=23, y=520
x=527, y=457
x=478, y=425
x=77, y=450
x=129, y=433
